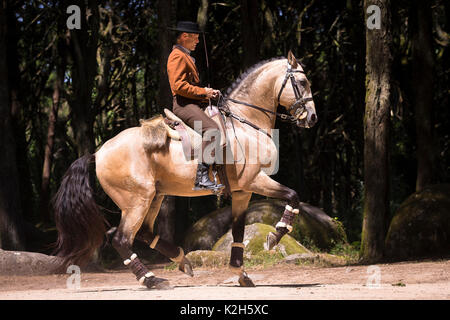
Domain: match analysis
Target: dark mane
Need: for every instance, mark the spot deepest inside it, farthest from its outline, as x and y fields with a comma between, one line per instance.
x=248, y=72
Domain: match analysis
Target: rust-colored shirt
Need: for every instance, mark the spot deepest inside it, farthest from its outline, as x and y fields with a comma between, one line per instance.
x=183, y=75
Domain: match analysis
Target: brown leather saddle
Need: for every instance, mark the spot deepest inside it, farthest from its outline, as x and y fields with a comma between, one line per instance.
x=191, y=142
x=190, y=139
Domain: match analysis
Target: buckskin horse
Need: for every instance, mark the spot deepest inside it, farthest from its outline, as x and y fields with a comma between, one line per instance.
x=141, y=165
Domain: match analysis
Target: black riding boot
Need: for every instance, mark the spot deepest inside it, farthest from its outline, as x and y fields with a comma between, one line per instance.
x=202, y=179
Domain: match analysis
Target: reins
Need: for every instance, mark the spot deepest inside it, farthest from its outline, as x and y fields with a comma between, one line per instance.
x=228, y=113
x=299, y=104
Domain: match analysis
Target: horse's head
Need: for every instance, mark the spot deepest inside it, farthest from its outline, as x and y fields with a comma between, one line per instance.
x=294, y=93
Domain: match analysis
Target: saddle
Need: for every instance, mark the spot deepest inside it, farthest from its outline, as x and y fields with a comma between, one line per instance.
x=191, y=142
x=190, y=139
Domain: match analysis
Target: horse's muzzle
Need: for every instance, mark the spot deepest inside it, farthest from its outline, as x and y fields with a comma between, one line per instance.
x=307, y=119
x=311, y=119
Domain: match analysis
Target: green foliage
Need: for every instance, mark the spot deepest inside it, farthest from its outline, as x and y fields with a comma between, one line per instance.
x=349, y=252
x=264, y=259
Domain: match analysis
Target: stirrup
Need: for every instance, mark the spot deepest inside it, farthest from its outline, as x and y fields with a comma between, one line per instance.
x=215, y=188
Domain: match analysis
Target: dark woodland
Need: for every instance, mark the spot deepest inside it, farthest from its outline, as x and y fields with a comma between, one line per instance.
x=381, y=96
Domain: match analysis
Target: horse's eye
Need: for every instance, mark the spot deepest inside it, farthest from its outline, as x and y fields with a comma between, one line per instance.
x=303, y=83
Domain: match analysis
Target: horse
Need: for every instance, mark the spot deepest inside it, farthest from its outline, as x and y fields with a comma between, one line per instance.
x=141, y=165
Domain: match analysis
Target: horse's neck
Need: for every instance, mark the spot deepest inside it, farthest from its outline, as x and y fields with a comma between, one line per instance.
x=258, y=93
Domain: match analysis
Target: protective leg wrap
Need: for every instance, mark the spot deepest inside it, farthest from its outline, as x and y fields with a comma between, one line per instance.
x=283, y=227
x=287, y=219
x=144, y=276
x=237, y=264
x=237, y=255
x=137, y=267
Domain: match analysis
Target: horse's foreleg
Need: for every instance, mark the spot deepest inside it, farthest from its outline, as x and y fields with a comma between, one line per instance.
x=147, y=235
x=266, y=186
x=122, y=241
x=240, y=200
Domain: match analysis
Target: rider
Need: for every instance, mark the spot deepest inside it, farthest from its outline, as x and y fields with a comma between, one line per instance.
x=188, y=96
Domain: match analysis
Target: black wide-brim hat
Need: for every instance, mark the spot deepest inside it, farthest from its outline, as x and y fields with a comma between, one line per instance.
x=187, y=26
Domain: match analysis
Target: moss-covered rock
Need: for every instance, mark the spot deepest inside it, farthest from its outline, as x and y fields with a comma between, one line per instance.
x=421, y=225
x=317, y=259
x=265, y=211
x=208, y=258
x=255, y=238
x=312, y=225
x=316, y=226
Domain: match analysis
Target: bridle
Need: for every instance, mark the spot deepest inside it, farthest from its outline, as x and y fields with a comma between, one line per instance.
x=299, y=106
x=296, y=110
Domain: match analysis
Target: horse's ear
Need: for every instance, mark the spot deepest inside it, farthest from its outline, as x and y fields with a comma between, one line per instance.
x=292, y=60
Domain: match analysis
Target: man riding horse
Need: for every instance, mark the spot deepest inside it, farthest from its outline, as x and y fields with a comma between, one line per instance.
x=189, y=97
x=141, y=165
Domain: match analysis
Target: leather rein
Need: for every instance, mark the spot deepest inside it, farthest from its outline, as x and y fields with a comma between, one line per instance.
x=298, y=107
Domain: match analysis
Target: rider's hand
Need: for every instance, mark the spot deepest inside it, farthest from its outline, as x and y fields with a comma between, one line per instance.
x=212, y=93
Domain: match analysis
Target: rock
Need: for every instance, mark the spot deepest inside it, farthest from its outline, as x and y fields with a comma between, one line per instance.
x=421, y=225
x=320, y=259
x=315, y=225
x=265, y=211
x=301, y=257
x=208, y=258
x=312, y=223
x=26, y=263
x=255, y=238
x=205, y=232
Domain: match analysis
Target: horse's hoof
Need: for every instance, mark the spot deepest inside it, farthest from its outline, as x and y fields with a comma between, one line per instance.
x=164, y=285
x=271, y=241
x=186, y=267
x=157, y=283
x=245, y=281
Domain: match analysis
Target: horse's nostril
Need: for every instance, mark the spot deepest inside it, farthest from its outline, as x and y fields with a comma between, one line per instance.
x=313, y=119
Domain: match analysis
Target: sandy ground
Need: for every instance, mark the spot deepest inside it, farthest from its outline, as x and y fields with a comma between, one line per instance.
x=424, y=280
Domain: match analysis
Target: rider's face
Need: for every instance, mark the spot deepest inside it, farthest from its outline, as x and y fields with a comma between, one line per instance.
x=190, y=40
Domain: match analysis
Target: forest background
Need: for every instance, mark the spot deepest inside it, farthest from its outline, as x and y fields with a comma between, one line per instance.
x=65, y=92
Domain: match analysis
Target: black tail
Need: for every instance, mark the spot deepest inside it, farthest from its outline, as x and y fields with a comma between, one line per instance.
x=81, y=225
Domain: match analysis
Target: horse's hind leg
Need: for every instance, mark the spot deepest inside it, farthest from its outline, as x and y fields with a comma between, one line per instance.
x=146, y=234
x=122, y=241
x=239, y=204
x=266, y=186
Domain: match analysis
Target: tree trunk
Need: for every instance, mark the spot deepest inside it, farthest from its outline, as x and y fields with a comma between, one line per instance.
x=84, y=44
x=202, y=61
x=250, y=32
x=16, y=91
x=164, y=99
x=376, y=135
x=11, y=236
x=58, y=88
x=422, y=83
x=166, y=217
x=202, y=15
